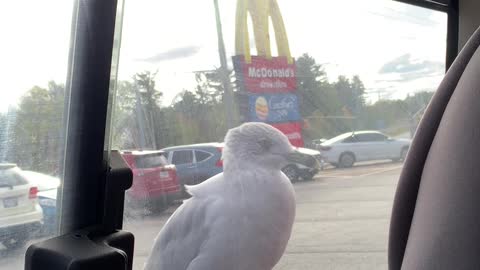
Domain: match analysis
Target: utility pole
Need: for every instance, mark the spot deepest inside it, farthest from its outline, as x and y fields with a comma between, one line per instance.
x=227, y=95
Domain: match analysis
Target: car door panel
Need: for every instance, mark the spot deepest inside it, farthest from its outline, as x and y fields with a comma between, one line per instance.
x=186, y=168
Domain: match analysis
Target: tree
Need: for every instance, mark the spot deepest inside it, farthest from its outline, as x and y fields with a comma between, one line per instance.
x=123, y=127
x=200, y=120
x=4, y=136
x=39, y=129
x=322, y=104
x=138, y=121
x=350, y=93
x=315, y=93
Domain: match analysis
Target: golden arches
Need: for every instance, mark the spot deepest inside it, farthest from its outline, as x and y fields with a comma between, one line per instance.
x=260, y=11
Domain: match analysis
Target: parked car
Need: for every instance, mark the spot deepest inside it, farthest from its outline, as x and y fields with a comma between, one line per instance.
x=196, y=162
x=155, y=181
x=308, y=163
x=316, y=142
x=47, y=198
x=20, y=214
x=348, y=148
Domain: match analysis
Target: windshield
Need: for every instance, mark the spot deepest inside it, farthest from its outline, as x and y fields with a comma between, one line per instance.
x=191, y=70
x=33, y=101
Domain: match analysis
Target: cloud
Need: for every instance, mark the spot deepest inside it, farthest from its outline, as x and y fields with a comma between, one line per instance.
x=411, y=69
x=172, y=54
x=411, y=14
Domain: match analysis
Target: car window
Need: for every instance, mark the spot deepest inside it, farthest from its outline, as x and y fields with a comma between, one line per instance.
x=370, y=137
x=189, y=71
x=201, y=155
x=150, y=161
x=351, y=139
x=182, y=157
x=33, y=99
x=378, y=137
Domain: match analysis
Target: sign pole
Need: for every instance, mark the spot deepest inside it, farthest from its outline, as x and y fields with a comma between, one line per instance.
x=227, y=94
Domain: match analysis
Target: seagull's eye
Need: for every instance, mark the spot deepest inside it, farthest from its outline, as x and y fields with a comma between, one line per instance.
x=265, y=144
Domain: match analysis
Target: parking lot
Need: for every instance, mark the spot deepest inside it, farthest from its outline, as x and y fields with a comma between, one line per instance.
x=341, y=223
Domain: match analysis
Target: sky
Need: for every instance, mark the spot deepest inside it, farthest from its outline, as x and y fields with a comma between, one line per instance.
x=395, y=48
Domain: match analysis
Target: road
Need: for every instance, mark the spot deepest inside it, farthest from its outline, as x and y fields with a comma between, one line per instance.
x=342, y=222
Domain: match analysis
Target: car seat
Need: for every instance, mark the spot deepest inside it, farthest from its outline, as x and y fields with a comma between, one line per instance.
x=435, y=221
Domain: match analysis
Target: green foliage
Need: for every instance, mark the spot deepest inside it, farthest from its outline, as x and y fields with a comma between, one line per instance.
x=326, y=105
x=138, y=121
x=38, y=129
x=316, y=94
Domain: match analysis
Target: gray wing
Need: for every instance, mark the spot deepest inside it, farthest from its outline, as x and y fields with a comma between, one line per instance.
x=186, y=237
x=180, y=240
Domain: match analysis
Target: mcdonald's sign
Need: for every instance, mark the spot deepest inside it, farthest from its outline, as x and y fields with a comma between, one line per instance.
x=264, y=75
x=293, y=131
x=269, y=82
x=274, y=108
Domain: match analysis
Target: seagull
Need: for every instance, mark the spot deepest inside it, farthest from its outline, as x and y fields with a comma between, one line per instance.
x=240, y=219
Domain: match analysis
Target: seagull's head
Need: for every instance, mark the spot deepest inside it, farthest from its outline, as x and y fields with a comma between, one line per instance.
x=256, y=143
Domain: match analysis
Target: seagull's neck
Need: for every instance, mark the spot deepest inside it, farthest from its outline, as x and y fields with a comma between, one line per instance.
x=236, y=166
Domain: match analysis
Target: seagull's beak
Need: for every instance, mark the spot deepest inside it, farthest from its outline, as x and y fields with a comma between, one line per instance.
x=292, y=156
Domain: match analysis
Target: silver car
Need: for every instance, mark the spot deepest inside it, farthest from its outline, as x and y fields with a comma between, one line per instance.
x=346, y=149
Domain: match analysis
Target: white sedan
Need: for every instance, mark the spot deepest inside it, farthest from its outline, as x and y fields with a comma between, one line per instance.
x=348, y=148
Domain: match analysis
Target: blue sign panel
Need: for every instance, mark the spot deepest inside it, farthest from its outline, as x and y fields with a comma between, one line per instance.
x=274, y=108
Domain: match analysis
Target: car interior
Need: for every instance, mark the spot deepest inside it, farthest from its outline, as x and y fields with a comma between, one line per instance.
x=429, y=218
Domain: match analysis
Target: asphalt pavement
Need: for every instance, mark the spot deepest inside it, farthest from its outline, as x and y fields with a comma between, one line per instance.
x=341, y=223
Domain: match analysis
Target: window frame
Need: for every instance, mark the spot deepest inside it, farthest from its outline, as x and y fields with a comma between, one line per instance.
x=85, y=162
x=451, y=7
x=210, y=155
x=185, y=150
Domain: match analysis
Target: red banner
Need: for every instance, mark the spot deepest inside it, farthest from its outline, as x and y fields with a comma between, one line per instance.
x=293, y=131
x=264, y=75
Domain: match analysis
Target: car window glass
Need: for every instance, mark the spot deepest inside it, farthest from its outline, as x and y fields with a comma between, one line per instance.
x=370, y=137
x=150, y=161
x=351, y=139
x=33, y=99
x=378, y=137
x=355, y=66
x=182, y=157
x=201, y=155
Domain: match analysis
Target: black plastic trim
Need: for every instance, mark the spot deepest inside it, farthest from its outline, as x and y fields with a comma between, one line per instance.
x=88, y=85
x=452, y=33
x=435, y=5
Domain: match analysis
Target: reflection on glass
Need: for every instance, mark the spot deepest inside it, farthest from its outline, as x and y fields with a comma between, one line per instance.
x=364, y=76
